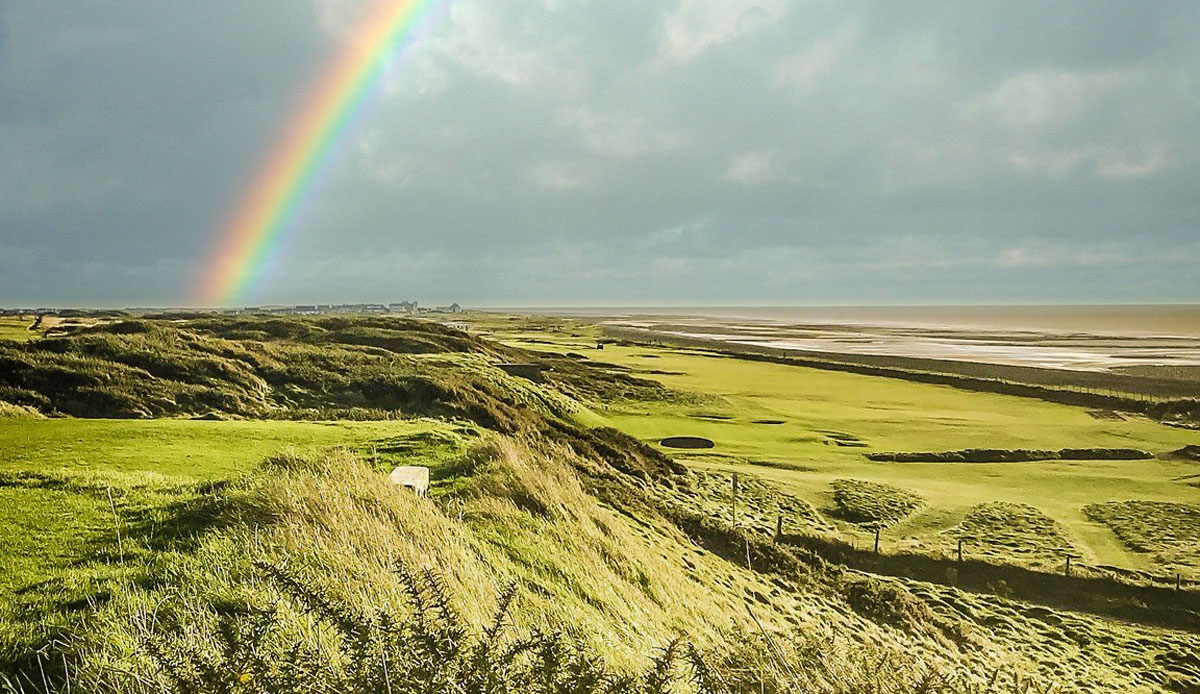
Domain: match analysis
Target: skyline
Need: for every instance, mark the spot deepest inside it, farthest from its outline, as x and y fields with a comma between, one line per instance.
x=570, y=153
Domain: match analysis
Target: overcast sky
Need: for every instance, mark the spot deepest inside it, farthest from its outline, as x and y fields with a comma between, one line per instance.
x=618, y=152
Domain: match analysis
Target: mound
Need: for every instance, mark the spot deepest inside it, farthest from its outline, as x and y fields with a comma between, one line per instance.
x=1169, y=531
x=873, y=504
x=1007, y=531
x=694, y=442
x=328, y=368
x=760, y=503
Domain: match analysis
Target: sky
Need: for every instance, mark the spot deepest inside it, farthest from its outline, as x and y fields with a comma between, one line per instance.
x=616, y=152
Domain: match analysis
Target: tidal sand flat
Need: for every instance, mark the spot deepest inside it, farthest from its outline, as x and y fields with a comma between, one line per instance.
x=1158, y=340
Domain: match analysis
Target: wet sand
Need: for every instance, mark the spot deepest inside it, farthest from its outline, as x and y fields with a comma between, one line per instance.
x=1159, y=340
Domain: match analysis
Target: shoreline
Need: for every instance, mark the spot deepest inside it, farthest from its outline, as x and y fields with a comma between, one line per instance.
x=1156, y=397
x=1162, y=321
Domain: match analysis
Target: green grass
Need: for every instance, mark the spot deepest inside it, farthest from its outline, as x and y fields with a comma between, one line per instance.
x=55, y=473
x=619, y=570
x=1168, y=532
x=185, y=449
x=820, y=408
x=17, y=328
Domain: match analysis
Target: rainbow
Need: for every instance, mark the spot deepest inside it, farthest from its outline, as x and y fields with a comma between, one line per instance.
x=269, y=207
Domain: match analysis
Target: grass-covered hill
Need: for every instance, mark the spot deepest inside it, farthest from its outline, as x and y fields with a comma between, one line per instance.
x=357, y=368
x=173, y=551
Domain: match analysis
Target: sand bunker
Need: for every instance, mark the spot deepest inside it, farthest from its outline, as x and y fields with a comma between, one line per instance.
x=686, y=442
x=844, y=440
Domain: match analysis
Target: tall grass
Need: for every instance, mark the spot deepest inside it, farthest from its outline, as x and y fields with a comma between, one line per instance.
x=316, y=575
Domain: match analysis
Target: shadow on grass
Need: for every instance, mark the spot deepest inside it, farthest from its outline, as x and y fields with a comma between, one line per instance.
x=1105, y=597
x=150, y=521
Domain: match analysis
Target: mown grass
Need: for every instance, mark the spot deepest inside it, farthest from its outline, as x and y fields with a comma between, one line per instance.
x=17, y=328
x=186, y=449
x=822, y=411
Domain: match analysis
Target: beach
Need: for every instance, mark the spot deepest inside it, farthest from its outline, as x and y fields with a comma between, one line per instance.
x=1163, y=341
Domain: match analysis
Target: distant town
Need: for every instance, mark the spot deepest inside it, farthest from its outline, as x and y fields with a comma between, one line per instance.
x=411, y=308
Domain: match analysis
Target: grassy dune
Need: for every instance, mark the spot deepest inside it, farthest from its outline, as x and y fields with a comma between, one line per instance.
x=271, y=554
x=627, y=586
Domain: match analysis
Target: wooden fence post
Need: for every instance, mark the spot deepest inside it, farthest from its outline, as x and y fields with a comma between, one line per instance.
x=960, y=550
x=1068, y=571
x=778, y=527
x=877, y=539
x=735, y=495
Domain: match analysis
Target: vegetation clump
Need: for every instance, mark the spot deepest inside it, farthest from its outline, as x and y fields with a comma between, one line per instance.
x=759, y=504
x=425, y=646
x=7, y=409
x=1168, y=531
x=1007, y=531
x=1010, y=455
x=873, y=504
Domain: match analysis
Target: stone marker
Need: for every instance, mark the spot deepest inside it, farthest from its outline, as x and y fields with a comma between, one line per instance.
x=415, y=477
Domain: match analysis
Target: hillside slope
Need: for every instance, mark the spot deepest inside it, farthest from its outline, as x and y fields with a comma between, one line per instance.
x=603, y=558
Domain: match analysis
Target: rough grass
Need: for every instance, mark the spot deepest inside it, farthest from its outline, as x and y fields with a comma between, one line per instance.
x=1008, y=532
x=347, y=368
x=872, y=504
x=992, y=455
x=603, y=538
x=621, y=587
x=7, y=409
x=759, y=503
x=889, y=414
x=1169, y=532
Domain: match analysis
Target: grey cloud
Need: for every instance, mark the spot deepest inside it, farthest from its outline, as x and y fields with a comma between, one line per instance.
x=586, y=152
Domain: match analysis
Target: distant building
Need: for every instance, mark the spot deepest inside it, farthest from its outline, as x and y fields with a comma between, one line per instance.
x=452, y=308
x=403, y=307
x=458, y=325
